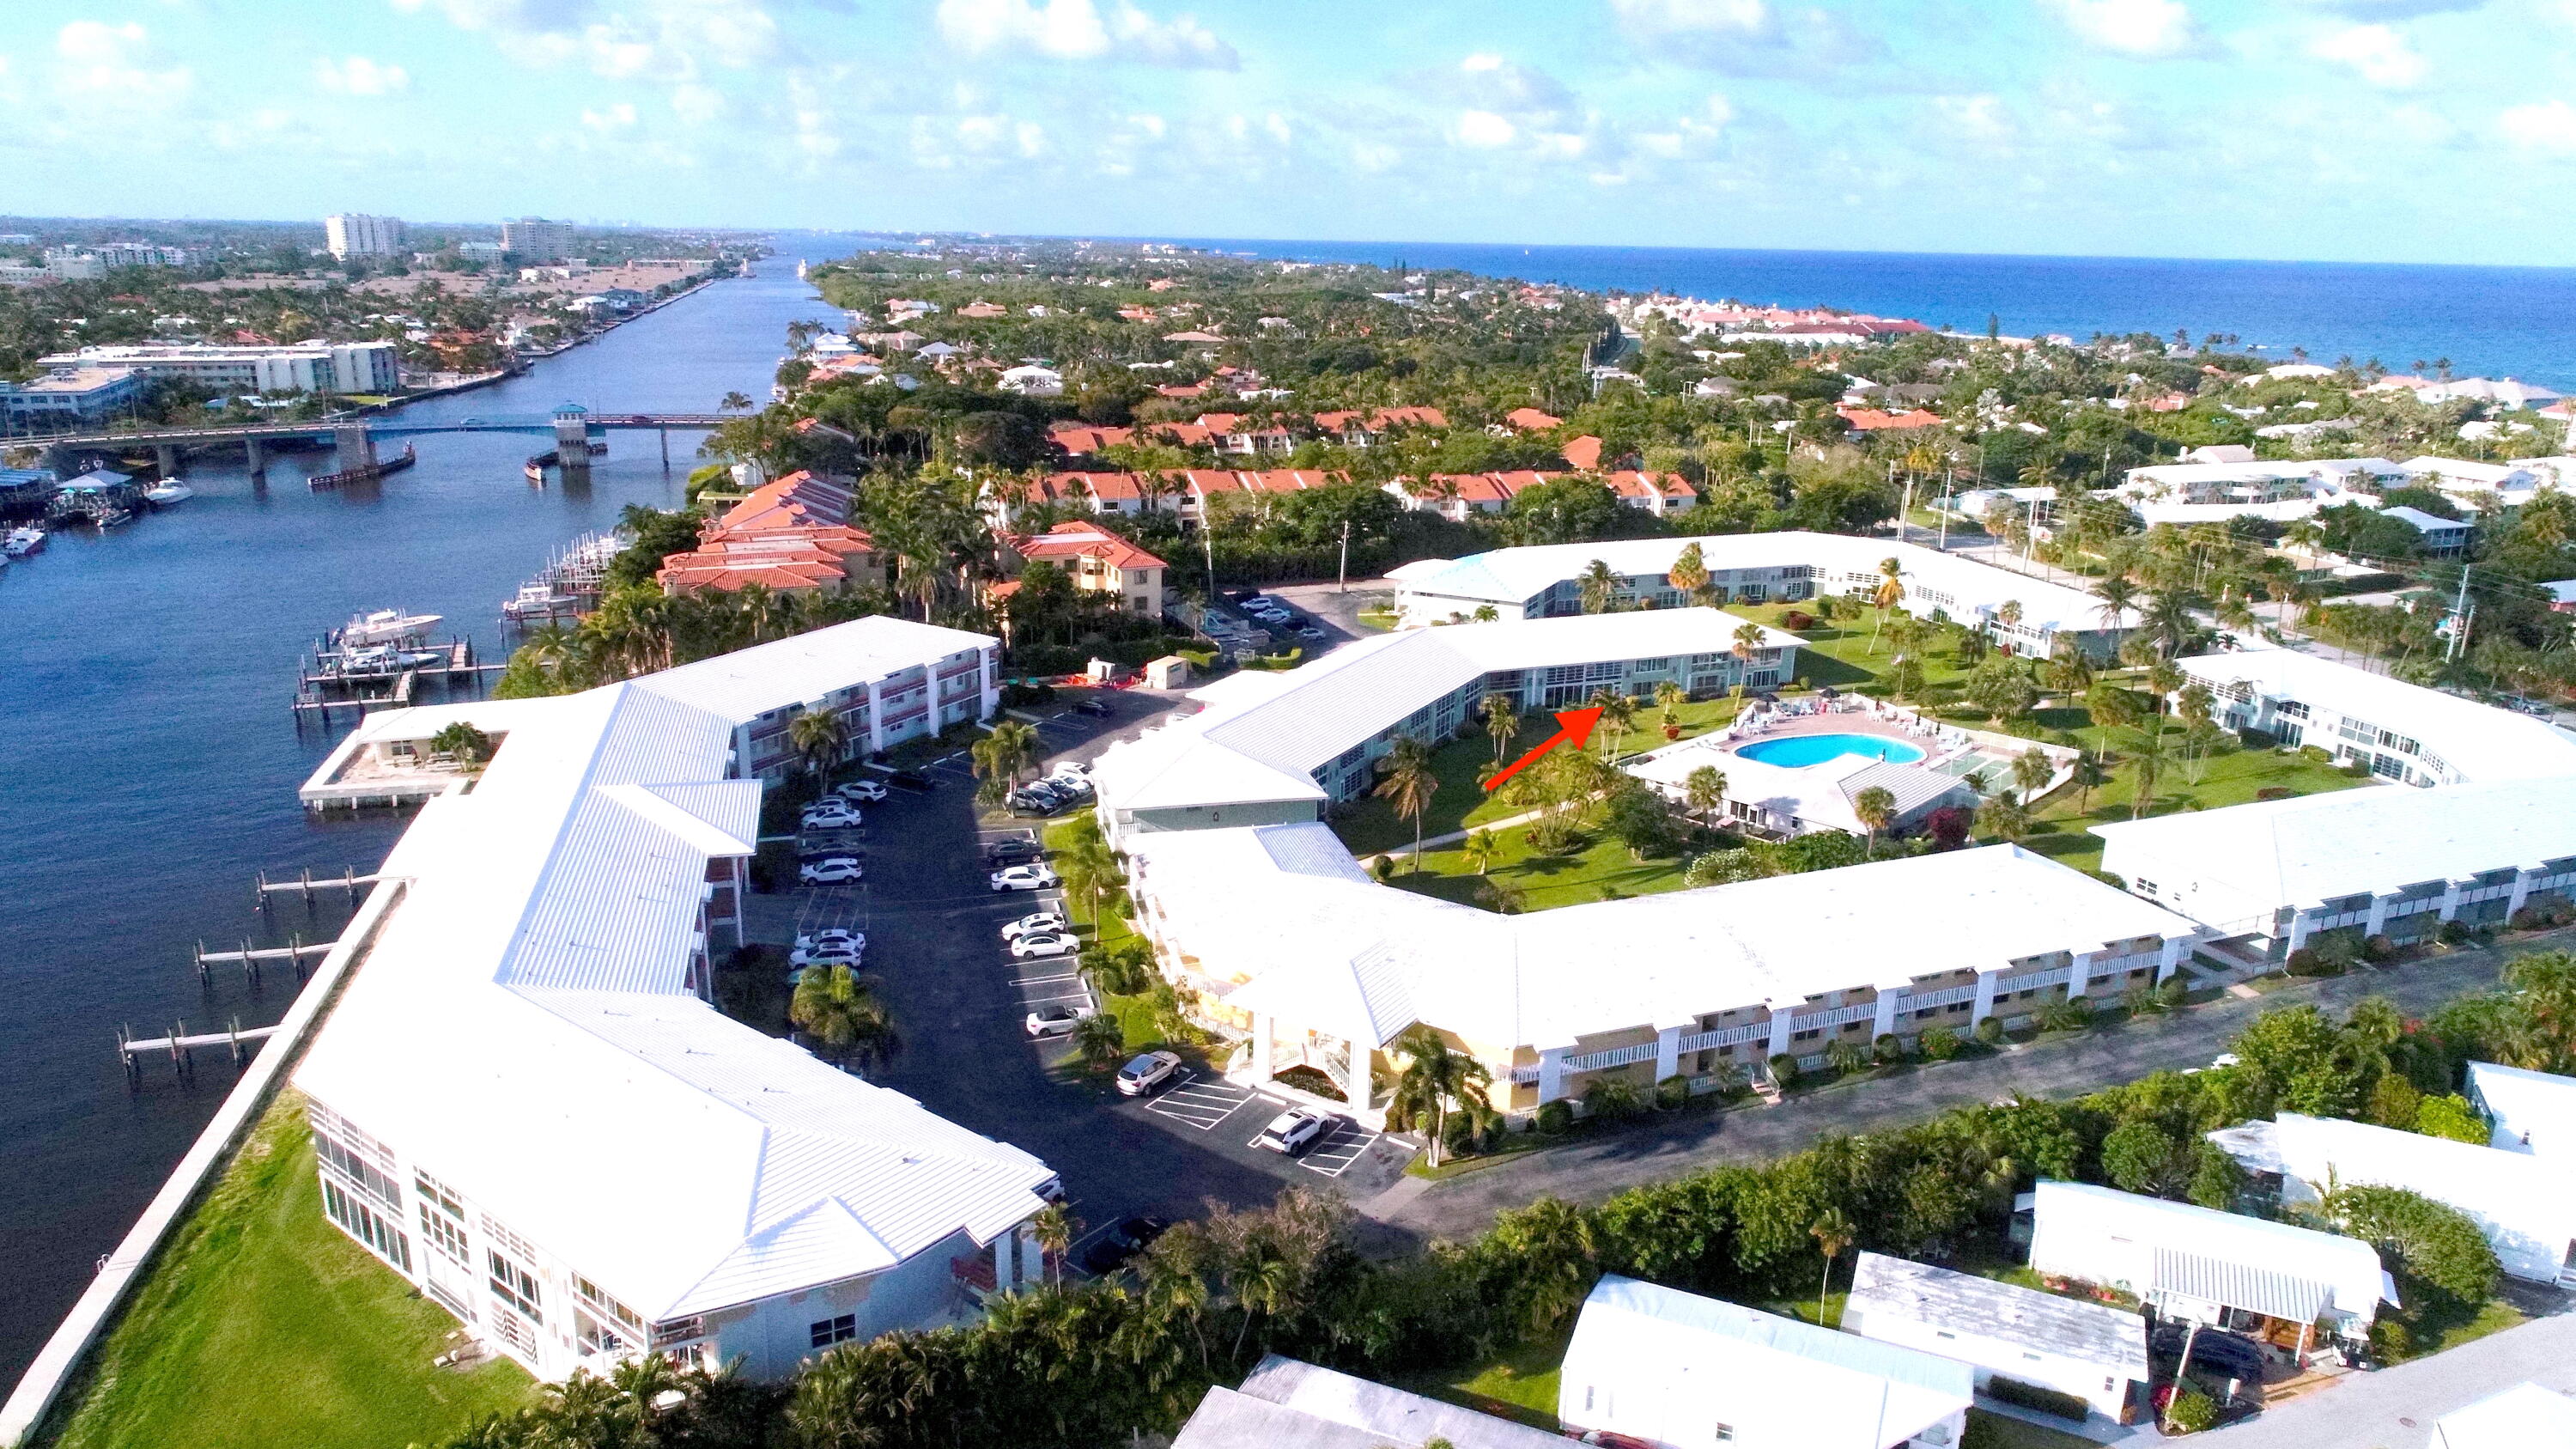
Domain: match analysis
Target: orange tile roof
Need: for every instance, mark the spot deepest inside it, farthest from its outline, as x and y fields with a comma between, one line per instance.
x=1183, y=389
x=793, y=501
x=1408, y=418
x=1872, y=420
x=1085, y=540
x=780, y=557
x=1335, y=422
x=1584, y=453
x=1628, y=483
x=1219, y=422
x=1531, y=420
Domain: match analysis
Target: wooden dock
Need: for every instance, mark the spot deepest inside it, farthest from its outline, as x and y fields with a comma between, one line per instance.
x=324, y=688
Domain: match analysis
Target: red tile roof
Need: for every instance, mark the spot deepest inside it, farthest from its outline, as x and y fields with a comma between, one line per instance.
x=1872, y=420
x=1628, y=483
x=1085, y=540
x=1584, y=453
x=1408, y=418
x=1531, y=420
x=780, y=557
x=795, y=500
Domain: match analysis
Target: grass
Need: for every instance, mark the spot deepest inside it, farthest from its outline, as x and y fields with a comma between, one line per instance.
x=1544, y=881
x=1995, y=1431
x=2063, y=823
x=1520, y=1386
x=261, y=1325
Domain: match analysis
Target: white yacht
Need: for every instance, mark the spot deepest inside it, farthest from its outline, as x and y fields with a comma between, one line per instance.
x=23, y=541
x=385, y=626
x=169, y=491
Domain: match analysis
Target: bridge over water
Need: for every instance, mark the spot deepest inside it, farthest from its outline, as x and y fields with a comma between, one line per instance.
x=355, y=436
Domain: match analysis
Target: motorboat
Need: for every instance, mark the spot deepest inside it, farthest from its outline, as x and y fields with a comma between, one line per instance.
x=539, y=601
x=23, y=541
x=115, y=518
x=385, y=626
x=381, y=659
x=168, y=491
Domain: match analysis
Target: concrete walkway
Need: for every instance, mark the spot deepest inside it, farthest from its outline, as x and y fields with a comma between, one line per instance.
x=2395, y=1408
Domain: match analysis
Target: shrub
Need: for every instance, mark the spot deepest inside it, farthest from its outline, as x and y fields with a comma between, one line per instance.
x=2309, y=961
x=2436, y=1245
x=2217, y=1180
x=2315, y=755
x=1313, y=1079
x=2045, y=1400
x=1990, y=1032
x=2395, y=1103
x=1889, y=1049
x=2274, y=792
x=1796, y=620
x=1555, y=1116
x=2451, y=1117
x=2455, y=933
x=2376, y=949
x=1462, y=1135
x=1672, y=1091
x=1613, y=1100
x=1846, y=1055
x=1939, y=1043
x=2191, y=1412
x=1784, y=1071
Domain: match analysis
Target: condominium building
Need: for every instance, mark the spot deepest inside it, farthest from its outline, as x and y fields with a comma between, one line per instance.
x=355, y=234
x=332, y=367
x=68, y=395
x=2024, y=614
x=2402, y=733
x=535, y=239
x=525, y=1106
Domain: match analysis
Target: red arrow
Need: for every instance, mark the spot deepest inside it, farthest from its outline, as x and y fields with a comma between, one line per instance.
x=1573, y=725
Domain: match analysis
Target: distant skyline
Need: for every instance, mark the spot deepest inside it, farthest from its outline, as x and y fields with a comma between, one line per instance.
x=2359, y=130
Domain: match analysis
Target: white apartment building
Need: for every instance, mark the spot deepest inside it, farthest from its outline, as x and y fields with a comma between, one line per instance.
x=71, y=264
x=326, y=367
x=2403, y=733
x=2092, y=1351
x=355, y=234
x=2393, y=863
x=1546, y=582
x=533, y=238
x=525, y=1106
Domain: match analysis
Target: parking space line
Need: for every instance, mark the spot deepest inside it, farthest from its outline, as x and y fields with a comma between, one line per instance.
x=1343, y=1143
x=1200, y=1103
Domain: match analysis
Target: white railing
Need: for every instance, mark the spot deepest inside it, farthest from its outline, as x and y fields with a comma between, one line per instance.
x=1615, y=1057
x=1726, y=1036
x=1918, y=1000
x=2034, y=980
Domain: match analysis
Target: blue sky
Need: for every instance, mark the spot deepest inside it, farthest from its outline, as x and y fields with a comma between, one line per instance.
x=2397, y=130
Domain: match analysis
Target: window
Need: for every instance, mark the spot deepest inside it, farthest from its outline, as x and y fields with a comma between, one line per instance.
x=2145, y=886
x=443, y=1233
x=1943, y=1333
x=2389, y=766
x=361, y=1173
x=2290, y=708
x=364, y=1224
x=825, y=1332
x=2034, y=1358
x=514, y=1285
x=1724, y=1433
x=592, y=1294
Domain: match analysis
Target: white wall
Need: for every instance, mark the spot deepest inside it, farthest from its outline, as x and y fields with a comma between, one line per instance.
x=2107, y=1390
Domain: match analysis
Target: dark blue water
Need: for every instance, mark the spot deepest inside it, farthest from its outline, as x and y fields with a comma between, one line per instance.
x=148, y=759
x=2495, y=321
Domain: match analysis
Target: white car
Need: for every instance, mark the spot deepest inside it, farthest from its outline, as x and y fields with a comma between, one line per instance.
x=830, y=812
x=1070, y=770
x=1147, y=1072
x=1035, y=945
x=823, y=956
x=1292, y=1131
x=831, y=870
x=823, y=946
x=1056, y=1021
x=1042, y=923
x=864, y=791
x=1023, y=878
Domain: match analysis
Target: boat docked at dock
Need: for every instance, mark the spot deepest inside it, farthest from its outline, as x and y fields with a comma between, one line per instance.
x=540, y=601
x=23, y=541
x=167, y=492
x=384, y=626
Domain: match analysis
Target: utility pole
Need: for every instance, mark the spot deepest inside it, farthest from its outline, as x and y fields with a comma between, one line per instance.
x=1343, y=586
x=2460, y=616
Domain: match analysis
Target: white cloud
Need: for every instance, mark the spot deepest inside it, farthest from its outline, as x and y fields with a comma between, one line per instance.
x=358, y=76
x=112, y=63
x=662, y=39
x=2544, y=126
x=2133, y=27
x=696, y=104
x=1701, y=18
x=616, y=117
x=2376, y=53
x=1979, y=117
x=1484, y=130
x=1076, y=30
x=1373, y=157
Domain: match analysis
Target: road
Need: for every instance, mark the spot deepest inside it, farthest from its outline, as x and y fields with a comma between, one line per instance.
x=2395, y=1408
x=1596, y=1168
x=958, y=1001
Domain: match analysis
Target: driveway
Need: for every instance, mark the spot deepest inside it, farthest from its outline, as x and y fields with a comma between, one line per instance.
x=959, y=1002
x=1596, y=1168
x=1336, y=608
x=2395, y=1408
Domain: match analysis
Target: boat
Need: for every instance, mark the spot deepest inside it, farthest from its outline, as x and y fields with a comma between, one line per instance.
x=23, y=541
x=382, y=659
x=384, y=626
x=167, y=492
x=115, y=518
x=540, y=600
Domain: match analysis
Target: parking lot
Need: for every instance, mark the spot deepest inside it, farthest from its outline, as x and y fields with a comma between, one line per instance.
x=960, y=1003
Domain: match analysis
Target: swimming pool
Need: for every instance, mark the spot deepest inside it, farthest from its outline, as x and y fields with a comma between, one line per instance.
x=1799, y=750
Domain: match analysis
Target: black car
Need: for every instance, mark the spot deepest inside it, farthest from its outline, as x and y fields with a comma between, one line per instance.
x=1091, y=707
x=1013, y=852
x=1027, y=805
x=1125, y=1239
x=910, y=780
x=2212, y=1349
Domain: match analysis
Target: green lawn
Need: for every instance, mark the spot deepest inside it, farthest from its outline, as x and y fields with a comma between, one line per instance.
x=1521, y=1385
x=262, y=1326
x=1545, y=881
x=1994, y=1431
x=2063, y=823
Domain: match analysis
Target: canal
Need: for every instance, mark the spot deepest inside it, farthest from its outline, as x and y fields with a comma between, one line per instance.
x=148, y=757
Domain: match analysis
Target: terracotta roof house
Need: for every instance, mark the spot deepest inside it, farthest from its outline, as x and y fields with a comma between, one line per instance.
x=794, y=559
x=1583, y=454
x=1873, y=420
x=1656, y=493
x=1097, y=561
x=1531, y=420
x=981, y=309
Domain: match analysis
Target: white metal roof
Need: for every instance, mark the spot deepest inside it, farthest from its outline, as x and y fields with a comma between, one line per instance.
x=2093, y=1333
x=1698, y=1360
x=1511, y=575
x=523, y=1028
x=2480, y=741
x=2534, y=1112
x=1310, y=1404
x=1328, y=945
x=805, y=667
x=2348, y=1265
x=2525, y=1416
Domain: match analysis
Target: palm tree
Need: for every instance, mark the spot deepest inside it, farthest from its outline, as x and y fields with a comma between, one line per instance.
x=1486, y=614
x=1000, y=756
x=818, y=737
x=1876, y=807
x=1503, y=898
x=2109, y=707
x=1435, y=1077
x=844, y=1015
x=1618, y=716
x=2032, y=770
x=1406, y=779
x=1100, y=1041
x=1704, y=789
x=1480, y=849
x=733, y=402
x=1502, y=723
x=1889, y=593
x=2087, y=775
x=1600, y=587
x=2154, y=751
x=1053, y=1228
x=1747, y=637
x=1689, y=574
x=2004, y=817
x=1833, y=1233
x=1089, y=867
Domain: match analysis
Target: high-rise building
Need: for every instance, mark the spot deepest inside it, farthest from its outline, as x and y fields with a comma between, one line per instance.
x=354, y=234
x=535, y=239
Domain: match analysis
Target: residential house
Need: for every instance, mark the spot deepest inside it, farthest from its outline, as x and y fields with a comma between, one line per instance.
x=2090, y=1351
x=2271, y=1280
x=1874, y=420
x=1286, y=1404
x=2442, y=537
x=1583, y=454
x=1031, y=380
x=1097, y=562
x=1660, y=494
x=981, y=310
x=2532, y=1112
x=1531, y=420
x=2524, y=1203
x=1674, y=1370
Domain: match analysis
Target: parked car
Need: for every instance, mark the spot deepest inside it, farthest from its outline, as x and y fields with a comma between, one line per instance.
x=1022, y=878
x=807, y=940
x=1035, y=923
x=830, y=870
x=1147, y=1072
x=1091, y=707
x=1036, y=945
x=1031, y=806
x=1292, y=1131
x=825, y=817
x=2212, y=1349
x=910, y=780
x=824, y=956
x=1125, y=1238
x=1055, y=1021
x=1070, y=770
x=861, y=790
x=842, y=946
x=1012, y=851
x=1070, y=788
x=1312, y=634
